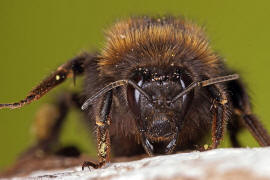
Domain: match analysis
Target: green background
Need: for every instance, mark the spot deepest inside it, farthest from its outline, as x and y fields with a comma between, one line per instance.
x=37, y=36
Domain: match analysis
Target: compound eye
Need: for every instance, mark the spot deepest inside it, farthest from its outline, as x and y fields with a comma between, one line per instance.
x=133, y=96
x=183, y=78
x=184, y=87
x=137, y=93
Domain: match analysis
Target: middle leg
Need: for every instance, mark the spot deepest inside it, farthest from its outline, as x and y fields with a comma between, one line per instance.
x=48, y=124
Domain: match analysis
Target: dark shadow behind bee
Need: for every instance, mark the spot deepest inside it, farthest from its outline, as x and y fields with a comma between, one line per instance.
x=156, y=87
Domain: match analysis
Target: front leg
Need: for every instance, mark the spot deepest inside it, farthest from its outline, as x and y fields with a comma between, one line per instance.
x=103, y=136
x=219, y=122
x=221, y=111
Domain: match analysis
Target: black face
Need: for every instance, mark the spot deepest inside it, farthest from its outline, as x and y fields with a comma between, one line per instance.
x=159, y=120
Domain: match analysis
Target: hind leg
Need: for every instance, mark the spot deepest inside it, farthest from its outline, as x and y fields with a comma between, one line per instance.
x=244, y=116
x=48, y=124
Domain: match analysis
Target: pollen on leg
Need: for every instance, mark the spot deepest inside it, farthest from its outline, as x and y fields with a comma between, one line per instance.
x=224, y=101
x=57, y=77
x=99, y=123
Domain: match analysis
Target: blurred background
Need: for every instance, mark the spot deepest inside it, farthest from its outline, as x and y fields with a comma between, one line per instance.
x=38, y=36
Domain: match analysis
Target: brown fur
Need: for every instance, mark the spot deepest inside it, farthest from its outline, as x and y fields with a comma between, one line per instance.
x=170, y=37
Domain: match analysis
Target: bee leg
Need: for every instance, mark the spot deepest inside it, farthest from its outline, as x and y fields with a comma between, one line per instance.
x=218, y=123
x=256, y=129
x=48, y=123
x=234, y=127
x=89, y=164
x=221, y=111
x=243, y=110
x=103, y=136
x=72, y=68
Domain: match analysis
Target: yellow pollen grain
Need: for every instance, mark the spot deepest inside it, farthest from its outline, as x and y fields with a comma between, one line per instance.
x=99, y=123
x=206, y=146
x=224, y=101
x=102, y=149
x=57, y=77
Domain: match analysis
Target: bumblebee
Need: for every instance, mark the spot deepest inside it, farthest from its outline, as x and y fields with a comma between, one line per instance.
x=156, y=87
